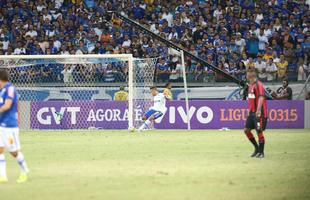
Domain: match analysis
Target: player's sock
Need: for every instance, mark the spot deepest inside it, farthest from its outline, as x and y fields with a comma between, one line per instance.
x=251, y=138
x=145, y=125
x=261, y=140
x=22, y=163
x=2, y=166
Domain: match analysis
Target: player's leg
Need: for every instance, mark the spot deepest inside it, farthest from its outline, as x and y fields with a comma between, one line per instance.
x=150, y=116
x=15, y=151
x=249, y=125
x=147, y=118
x=146, y=123
x=3, y=175
x=23, y=177
x=260, y=126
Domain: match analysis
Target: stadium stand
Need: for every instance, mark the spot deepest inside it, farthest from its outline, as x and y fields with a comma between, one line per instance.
x=271, y=36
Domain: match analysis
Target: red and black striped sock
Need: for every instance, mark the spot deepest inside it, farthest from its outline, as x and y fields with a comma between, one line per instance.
x=261, y=141
x=251, y=138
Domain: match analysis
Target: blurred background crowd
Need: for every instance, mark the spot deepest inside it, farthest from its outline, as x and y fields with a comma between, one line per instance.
x=272, y=36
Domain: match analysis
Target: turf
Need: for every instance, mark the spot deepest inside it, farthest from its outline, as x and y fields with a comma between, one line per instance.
x=161, y=165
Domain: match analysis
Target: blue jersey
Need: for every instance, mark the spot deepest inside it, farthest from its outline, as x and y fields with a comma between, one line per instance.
x=9, y=118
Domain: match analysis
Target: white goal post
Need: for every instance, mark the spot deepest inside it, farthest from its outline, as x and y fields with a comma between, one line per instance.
x=139, y=78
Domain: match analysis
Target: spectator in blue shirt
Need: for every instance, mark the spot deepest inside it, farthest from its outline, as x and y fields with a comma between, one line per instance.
x=252, y=46
x=162, y=70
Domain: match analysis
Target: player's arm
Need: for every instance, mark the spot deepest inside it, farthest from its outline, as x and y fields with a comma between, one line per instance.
x=261, y=98
x=166, y=94
x=8, y=101
x=259, y=106
x=6, y=106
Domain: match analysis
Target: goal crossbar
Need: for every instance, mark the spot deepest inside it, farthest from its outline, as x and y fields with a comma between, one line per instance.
x=14, y=57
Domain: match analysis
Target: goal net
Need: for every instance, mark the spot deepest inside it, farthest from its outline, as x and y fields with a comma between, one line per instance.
x=78, y=91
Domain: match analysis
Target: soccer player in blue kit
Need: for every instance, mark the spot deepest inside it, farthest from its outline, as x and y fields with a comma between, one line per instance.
x=157, y=110
x=9, y=131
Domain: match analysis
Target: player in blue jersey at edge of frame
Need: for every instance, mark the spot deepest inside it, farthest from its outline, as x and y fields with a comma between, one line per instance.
x=9, y=130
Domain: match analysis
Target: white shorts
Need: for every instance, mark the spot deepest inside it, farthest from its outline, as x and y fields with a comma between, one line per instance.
x=9, y=138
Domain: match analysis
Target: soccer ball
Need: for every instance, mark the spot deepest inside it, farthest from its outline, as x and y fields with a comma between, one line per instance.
x=131, y=129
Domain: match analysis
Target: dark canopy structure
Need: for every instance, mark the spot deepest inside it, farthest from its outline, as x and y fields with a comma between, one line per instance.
x=241, y=83
x=178, y=48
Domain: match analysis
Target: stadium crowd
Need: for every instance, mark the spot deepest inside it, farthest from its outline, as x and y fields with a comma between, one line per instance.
x=272, y=36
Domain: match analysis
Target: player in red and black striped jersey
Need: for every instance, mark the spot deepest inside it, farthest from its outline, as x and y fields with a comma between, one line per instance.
x=257, y=118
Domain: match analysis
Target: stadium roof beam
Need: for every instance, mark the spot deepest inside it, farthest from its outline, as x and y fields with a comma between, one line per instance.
x=175, y=46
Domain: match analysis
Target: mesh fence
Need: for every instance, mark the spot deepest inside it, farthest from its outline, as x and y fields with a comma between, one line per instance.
x=78, y=93
x=143, y=76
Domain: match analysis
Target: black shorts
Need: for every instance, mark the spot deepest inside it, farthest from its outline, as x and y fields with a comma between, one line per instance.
x=252, y=122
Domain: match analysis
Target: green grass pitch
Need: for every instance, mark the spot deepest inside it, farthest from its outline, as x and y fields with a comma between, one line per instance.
x=161, y=165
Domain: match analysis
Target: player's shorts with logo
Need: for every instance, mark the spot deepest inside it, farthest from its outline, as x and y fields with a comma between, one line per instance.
x=9, y=138
x=157, y=114
x=252, y=122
